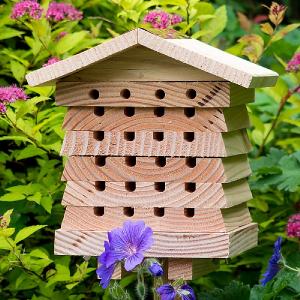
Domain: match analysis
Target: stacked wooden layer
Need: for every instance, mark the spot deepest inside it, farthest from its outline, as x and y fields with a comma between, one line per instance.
x=171, y=153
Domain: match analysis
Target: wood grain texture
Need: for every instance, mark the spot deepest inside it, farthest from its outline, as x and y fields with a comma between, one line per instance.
x=177, y=245
x=214, y=170
x=189, y=268
x=173, y=219
x=190, y=52
x=206, y=195
x=204, y=144
x=144, y=94
x=145, y=118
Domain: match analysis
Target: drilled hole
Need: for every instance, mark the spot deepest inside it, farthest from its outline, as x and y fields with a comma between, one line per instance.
x=159, y=111
x=189, y=212
x=94, y=94
x=99, y=111
x=159, y=211
x=158, y=136
x=189, y=136
x=129, y=111
x=99, y=135
x=189, y=112
x=160, y=186
x=100, y=161
x=99, y=211
x=128, y=211
x=191, y=93
x=190, y=187
x=129, y=136
x=191, y=162
x=160, y=161
x=100, y=185
x=160, y=94
x=130, y=186
x=130, y=161
x=125, y=93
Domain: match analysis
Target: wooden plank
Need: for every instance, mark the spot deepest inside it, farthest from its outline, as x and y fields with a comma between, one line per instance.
x=156, y=119
x=159, y=219
x=152, y=94
x=189, y=268
x=145, y=143
x=147, y=194
x=190, y=52
x=140, y=64
x=170, y=169
x=177, y=245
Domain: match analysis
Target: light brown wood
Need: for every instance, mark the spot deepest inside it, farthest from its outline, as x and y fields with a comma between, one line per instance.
x=152, y=94
x=190, y=52
x=156, y=119
x=206, y=195
x=145, y=143
x=159, y=219
x=96, y=168
x=189, y=268
x=177, y=245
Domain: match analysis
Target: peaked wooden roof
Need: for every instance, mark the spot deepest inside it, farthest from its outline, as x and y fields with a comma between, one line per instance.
x=189, y=51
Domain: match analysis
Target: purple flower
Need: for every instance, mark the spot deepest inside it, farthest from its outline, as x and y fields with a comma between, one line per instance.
x=168, y=292
x=51, y=61
x=30, y=8
x=273, y=266
x=155, y=269
x=161, y=20
x=294, y=64
x=129, y=244
x=12, y=93
x=2, y=108
x=62, y=11
x=293, y=226
x=105, y=271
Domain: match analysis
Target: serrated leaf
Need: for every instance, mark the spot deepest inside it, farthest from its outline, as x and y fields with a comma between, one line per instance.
x=18, y=70
x=29, y=151
x=27, y=231
x=69, y=41
x=283, y=32
x=9, y=197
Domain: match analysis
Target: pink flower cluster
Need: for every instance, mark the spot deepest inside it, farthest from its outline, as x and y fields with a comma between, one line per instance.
x=56, y=11
x=294, y=63
x=293, y=226
x=10, y=94
x=51, y=61
x=161, y=19
x=62, y=11
x=30, y=8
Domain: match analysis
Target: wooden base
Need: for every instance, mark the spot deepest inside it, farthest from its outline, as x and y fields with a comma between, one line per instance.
x=175, y=245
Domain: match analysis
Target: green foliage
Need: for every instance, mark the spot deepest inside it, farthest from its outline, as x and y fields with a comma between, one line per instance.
x=31, y=137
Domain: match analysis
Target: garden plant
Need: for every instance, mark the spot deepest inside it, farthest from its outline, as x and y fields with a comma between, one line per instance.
x=34, y=34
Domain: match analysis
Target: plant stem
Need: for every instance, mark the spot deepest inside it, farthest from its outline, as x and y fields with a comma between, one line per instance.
x=275, y=121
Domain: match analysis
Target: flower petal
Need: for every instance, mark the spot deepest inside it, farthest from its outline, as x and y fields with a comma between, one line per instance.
x=132, y=261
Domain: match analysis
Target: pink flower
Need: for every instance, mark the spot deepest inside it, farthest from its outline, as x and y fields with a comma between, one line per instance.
x=51, y=60
x=30, y=8
x=161, y=19
x=2, y=108
x=294, y=63
x=12, y=93
x=61, y=35
x=62, y=11
x=293, y=226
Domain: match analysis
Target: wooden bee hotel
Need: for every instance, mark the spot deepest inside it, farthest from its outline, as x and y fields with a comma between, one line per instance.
x=156, y=131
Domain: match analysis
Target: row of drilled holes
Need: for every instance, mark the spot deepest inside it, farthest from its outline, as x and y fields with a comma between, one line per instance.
x=126, y=94
x=158, y=111
x=158, y=211
x=130, y=186
x=157, y=135
x=160, y=161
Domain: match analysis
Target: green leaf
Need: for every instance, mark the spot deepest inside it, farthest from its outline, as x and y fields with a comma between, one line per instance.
x=27, y=231
x=7, y=33
x=18, y=70
x=216, y=25
x=12, y=197
x=29, y=151
x=283, y=32
x=69, y=41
